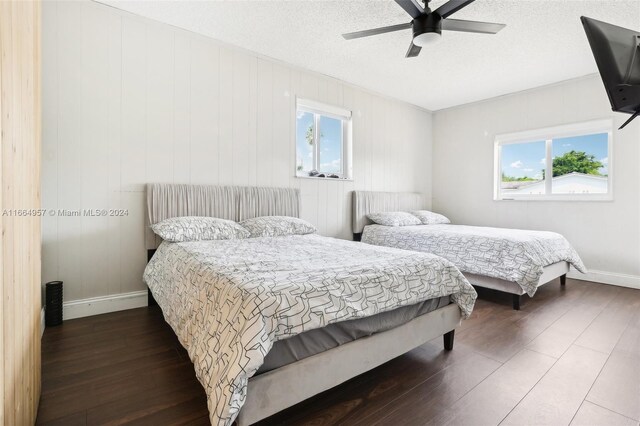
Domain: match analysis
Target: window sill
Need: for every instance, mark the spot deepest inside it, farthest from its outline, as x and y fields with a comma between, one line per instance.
x=325, y=178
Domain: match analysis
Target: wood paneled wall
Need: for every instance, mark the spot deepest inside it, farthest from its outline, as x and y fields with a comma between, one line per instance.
x=20, y=190
x=128, y=100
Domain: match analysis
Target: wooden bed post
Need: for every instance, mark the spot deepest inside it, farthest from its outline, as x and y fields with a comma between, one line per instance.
x=516, y=302
x=448, y=340
x=563, y=279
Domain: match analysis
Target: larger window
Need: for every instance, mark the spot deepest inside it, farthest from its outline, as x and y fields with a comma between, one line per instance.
x=570, y=162
x=323, y=140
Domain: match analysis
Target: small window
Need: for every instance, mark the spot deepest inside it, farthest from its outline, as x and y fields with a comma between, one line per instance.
x=323, y=141
x=562, y=163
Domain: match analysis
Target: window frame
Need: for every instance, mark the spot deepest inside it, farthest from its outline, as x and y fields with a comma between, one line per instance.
x=547, y=135
x=319, y=109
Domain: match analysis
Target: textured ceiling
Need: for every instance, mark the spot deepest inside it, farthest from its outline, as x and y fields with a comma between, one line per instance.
x=543, y=42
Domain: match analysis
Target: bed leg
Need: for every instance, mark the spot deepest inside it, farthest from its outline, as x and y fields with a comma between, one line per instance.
x=448, y=340
x=563, y=280
x=150, y=300
x=516, y=302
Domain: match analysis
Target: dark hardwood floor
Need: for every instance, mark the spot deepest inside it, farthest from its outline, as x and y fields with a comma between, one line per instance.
x=570, y=356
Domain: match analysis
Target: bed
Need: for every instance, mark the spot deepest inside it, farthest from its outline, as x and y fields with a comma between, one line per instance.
x=514, y=261
x=271, y=321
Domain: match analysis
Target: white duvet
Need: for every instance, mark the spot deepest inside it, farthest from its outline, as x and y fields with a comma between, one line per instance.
x=509, y=254
x=229, y=301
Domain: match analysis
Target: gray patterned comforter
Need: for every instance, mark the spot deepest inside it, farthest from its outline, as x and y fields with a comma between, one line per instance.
x=229, y=301
x=509, y=254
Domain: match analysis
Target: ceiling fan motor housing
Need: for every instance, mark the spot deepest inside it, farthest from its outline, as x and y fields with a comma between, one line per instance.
x=427, y=23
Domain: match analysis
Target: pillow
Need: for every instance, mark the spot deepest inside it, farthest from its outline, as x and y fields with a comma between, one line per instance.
x=430, y=218
x=277, y=226
x=394, y=219
x=198, y=228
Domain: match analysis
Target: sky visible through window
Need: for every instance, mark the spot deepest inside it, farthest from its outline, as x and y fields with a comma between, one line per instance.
x=528, y=159
x=523, y=159
x=330, y=145
x=304, y=150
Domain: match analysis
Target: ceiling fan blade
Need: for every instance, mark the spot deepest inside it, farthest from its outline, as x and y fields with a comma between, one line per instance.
x=452, y=6
x=375, y=31
x=412, y=7
x=471, y=26
x=413, y=51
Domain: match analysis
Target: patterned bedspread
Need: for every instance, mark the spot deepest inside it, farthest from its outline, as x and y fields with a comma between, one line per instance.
x=509, y=254
x=229, y=301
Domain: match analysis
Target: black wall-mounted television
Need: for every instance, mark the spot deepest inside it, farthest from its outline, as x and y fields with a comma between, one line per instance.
x=617, y=54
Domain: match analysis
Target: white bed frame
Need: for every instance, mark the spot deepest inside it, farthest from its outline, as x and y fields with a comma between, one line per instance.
x=283, y=387
x=549, y=274
x=365, y=202
x=278, y=389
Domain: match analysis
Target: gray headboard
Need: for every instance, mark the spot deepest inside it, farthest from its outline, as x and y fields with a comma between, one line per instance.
x=226, y=202
x=365, y=202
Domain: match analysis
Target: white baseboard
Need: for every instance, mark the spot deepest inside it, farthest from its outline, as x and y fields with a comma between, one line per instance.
x=104, y=304
x=42, y=322
x=612, y=278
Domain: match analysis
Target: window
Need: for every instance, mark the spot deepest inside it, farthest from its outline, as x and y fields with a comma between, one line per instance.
x=561, y=163
x=323, y=141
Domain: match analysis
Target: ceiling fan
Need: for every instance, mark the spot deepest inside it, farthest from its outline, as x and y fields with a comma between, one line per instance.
x=427, y=25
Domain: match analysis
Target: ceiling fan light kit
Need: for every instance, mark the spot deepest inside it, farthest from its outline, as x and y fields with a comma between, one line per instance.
x=424, y=39
x=427, y=25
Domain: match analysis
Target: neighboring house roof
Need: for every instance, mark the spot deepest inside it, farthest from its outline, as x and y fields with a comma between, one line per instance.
x=524, y=184
x=578, y=182
x=518, y=184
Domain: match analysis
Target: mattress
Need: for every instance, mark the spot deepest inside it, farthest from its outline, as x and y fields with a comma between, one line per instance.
x=322, y=339
x=229, y=301
x=514, y=255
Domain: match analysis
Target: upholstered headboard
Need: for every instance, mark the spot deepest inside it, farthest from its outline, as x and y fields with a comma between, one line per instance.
x=226, y=202
x=365, y=202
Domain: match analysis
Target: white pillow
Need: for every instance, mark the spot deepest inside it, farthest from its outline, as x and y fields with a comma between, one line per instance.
x=430, y=218
x=277, y=226
x=198, y=228
x=394, y=218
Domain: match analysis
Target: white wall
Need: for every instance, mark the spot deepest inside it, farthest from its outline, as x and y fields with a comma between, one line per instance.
x=128, y=101
x=606, y=234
